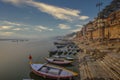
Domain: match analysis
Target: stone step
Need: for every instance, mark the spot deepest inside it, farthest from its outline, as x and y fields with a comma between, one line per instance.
x=111, y=71
x=112, y=64
x=107, y=71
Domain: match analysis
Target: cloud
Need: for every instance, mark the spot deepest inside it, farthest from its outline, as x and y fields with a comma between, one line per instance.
x=17, y=29
x=42, y=28
x=20, y=29
x=83, y=17
x=57, y=12
x=12, y=23
x=5, y=27
x=6, y=33
x=16, y=2
x=79, y=25
x=64, y=26
x=77, y=29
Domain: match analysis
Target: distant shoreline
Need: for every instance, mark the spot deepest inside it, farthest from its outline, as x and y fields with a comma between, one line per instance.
x=14, y=40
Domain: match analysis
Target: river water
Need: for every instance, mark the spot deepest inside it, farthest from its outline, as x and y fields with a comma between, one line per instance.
x=14, y=62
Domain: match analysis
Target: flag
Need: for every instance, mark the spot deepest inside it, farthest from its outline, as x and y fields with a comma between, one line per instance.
x=30, y=57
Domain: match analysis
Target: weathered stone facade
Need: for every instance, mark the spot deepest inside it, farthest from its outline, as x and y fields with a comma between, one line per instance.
x=107, y=28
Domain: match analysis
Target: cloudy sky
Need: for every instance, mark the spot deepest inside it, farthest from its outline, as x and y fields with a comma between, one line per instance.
x=45, y=18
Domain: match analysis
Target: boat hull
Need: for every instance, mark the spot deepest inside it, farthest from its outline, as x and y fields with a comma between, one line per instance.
x=51, y=77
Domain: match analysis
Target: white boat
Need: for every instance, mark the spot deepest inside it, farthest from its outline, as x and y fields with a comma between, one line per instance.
x=69, y=58
x=63, y=56
x=51, y=71
x=58, y=61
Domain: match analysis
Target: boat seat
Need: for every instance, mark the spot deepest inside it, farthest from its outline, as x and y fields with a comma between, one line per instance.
x=44, y=65
x=44, y=69
x=65, y=73
x=60, y=71
x=54, y=71
x=58, y=60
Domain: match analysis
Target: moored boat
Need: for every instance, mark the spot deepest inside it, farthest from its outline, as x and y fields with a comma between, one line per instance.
x=53, y=51
x=69, y=58
x=64, y=57
x=58, y=61
x=51, y=71
x=60, y=46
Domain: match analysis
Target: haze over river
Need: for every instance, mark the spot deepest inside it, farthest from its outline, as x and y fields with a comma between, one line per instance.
x=14, y=62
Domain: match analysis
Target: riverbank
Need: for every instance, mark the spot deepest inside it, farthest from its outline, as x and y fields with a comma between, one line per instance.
x=99, y=60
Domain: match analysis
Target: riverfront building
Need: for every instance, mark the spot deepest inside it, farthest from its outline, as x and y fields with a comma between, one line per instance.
x=103, y=27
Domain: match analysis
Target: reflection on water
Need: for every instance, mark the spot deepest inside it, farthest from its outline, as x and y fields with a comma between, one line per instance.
x=33, y=76
x=14, y=58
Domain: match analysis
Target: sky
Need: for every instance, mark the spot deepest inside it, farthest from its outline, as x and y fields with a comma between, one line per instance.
x=45, y=18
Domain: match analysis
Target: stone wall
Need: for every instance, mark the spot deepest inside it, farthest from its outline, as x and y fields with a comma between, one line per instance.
x=95, y=34
x=110, y=28
x=114, y=32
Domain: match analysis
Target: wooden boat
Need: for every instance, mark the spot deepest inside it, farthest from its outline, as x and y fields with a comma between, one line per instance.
x=53, y=51
x=63, y=56
x=69, y=58
x=58, y=61
x=60, y=46
x=56, y=56
x=51, y=71
x=60, y=43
